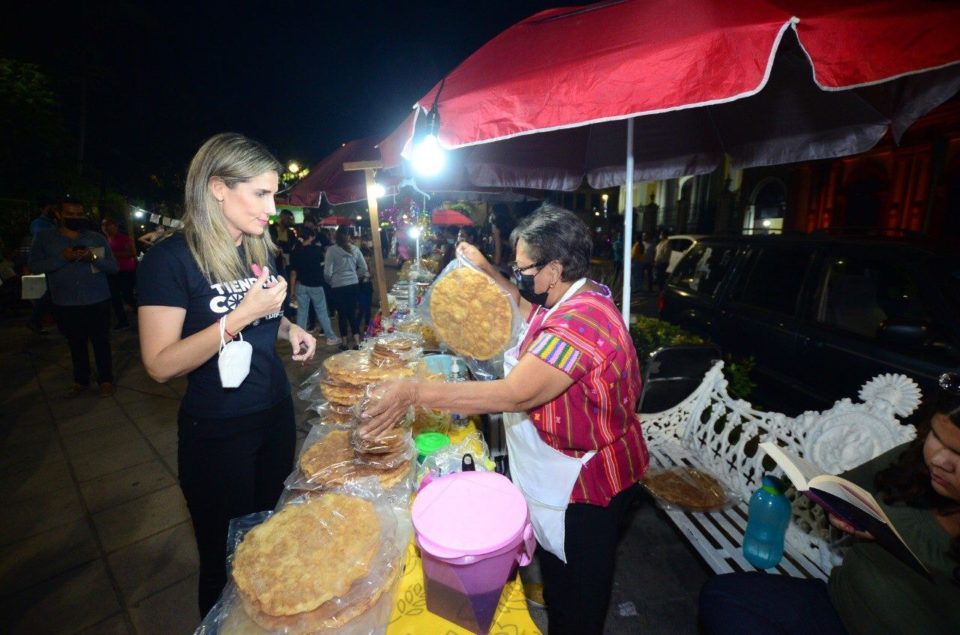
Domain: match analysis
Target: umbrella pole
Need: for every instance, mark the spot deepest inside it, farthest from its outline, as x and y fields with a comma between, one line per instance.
x=368, y=168
x=628, y=225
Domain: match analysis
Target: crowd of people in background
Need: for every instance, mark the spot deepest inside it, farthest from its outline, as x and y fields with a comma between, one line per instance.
x=328, y=270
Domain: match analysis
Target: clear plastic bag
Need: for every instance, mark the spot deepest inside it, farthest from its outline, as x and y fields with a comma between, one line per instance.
x=688, y=489
x=367, y=580
x=473, y=316
x=393, y=350
x=449, y=459
x=412, y=324
x=329, y=460
x=342, y=380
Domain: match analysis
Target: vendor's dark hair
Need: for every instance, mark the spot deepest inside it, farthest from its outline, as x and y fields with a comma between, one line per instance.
x=306, y=233
x=553, y=233
x=908, y=480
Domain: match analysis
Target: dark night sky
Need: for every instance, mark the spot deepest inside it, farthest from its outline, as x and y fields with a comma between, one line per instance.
x=301, y=77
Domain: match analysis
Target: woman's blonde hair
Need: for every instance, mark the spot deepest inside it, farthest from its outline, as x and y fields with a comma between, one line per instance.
x=234, y=159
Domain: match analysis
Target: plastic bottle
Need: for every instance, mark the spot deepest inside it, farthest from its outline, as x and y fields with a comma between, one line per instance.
x=767, y=523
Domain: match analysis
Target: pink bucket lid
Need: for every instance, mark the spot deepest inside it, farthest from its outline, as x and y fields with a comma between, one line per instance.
x=468, y=514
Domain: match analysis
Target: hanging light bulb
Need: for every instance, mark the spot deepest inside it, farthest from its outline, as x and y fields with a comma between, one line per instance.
x=378, y=190
x=428, y=156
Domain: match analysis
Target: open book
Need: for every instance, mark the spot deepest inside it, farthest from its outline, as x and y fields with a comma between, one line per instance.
x=845, y=500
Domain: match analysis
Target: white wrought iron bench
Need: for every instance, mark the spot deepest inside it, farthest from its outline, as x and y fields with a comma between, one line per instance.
x=711, y=430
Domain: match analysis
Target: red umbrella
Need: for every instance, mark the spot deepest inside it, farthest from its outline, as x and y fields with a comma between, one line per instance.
x=449, y=217
x=657, y=89
x=699, y=80
x=327, y=178
x=331, y=221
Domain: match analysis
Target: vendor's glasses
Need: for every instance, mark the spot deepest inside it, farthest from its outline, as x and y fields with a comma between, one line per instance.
x=950, y=383
x=518, y=271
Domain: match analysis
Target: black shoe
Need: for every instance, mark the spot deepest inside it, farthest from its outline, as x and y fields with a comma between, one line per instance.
x=342, y=347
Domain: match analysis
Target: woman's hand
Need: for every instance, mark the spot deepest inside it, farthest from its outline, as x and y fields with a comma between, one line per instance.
x=303, y=344
x=261, y=300
x=388, y=405
x=846, y=527
x=472, y=255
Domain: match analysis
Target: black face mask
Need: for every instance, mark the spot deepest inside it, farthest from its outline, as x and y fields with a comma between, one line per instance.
x=525, y=286
x=76, y=224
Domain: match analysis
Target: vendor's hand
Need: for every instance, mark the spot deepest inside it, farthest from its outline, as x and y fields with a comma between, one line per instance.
x=846, y=527
x=72, y=254
x=304, y=345
x=259, y=301
x=472, y=255
x=387, y=407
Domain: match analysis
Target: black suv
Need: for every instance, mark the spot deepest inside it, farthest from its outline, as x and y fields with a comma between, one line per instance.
x=820, y=314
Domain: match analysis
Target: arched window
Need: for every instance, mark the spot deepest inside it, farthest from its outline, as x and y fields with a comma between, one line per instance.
x=768, y=206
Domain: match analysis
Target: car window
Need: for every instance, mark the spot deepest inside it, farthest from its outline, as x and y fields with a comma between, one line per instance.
x=680, y=244
x=702, y=268
x=773, y=278
x=861, y=294
x=947, y=272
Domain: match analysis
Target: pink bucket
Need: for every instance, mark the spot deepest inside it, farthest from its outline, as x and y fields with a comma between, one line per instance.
x=473, y=529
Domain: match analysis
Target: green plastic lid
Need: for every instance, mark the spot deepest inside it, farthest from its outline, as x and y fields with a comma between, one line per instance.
x=429, y=442
x=773, y=485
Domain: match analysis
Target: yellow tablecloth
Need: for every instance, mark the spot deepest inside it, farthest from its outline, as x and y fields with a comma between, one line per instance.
x=411, y=617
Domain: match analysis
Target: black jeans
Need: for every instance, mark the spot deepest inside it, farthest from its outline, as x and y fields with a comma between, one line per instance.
x=345, y=299
x=82, y=324
x=764, y=603
x=229, y=468
x=121, y=291
x=364, y=303
x=578, y=593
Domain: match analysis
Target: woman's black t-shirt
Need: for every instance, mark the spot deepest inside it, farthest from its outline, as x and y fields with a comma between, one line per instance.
x=169, y=276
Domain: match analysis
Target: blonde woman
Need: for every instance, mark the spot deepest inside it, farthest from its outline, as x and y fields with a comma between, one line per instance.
x=214, y=279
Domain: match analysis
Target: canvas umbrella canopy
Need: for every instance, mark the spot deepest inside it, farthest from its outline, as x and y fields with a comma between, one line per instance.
x=654, y=89
x=328, y=178
x=336, y=221
x=449, y=217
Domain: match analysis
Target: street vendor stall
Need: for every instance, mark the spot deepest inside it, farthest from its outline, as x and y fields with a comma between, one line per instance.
x=345, y=552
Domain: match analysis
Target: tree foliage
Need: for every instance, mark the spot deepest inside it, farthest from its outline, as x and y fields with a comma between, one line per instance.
x=33, y=137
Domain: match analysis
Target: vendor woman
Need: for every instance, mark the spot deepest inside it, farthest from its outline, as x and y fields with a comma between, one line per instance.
x=569, y=396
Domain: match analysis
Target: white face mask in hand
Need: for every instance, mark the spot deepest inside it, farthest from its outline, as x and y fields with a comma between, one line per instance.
x=234, y=362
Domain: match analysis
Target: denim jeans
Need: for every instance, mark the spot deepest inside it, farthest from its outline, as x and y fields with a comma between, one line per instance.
x=306, y=295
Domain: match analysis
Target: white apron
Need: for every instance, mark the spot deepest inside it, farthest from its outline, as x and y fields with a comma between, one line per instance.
x=545, y=476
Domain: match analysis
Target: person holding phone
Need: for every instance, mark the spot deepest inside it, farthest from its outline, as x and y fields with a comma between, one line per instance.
x=199, y=290
x=76, y=261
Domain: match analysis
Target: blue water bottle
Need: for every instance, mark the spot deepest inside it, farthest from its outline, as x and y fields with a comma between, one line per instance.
x=766, y=524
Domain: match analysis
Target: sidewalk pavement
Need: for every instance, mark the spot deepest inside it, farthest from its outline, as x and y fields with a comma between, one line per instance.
x=96, y=536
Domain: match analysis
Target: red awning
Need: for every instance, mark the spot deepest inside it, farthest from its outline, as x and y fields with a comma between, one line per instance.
x=328, y=178
x=331, y=221
x=764, y=81
x=449, y=217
